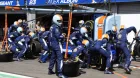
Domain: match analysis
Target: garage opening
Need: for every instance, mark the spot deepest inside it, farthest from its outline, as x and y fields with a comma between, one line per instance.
x=11, y=18
x=47, y=21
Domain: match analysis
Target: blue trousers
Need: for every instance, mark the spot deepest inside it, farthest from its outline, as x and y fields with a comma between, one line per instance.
x=23, y=48
x=56, y=56
x=124, y=48
x=103, y=52
x=43, y=44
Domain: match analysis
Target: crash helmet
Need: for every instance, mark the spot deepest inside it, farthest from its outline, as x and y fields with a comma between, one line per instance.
x=24, y=21
x=16, y=23
x=58, y=19
x=85, y=42
x=42, y=29
x=20, y=21
x=81, y=22
x=122, y=27
x=83, y=31
x=32, y=34
x=114, y=28
x=19, y=29
x=105, y=36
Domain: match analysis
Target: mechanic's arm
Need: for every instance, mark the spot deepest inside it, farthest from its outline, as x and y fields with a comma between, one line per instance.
x=131, y=29
x=58, y=35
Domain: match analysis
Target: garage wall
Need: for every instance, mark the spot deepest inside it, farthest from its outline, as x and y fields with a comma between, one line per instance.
x=130, y=16
x=130, y=20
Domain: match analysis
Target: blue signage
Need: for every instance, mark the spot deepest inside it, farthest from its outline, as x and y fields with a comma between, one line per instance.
x=36, y=2
x=50, y=2
x=69, y=1
x=61, y=2
x=54, y=2
x=101, y=1
x=11, y=2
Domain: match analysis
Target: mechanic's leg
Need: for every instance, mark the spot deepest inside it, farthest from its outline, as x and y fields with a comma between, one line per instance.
x=23, y=49
x=108, y=61
x=128, y=59
x=52, y=63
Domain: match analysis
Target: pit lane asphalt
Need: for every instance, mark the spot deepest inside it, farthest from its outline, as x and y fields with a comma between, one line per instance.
x=35, y=69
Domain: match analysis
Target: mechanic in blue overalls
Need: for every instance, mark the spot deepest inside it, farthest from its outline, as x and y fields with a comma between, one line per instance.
x=13, y=27
x=111, y=45
x=55, y=39
x=77, y=37
x=20, y=22
x=24, y=25
x=11, y=38
x=99, y=47
x=122, y=44
x=22, y=43
x=83, y=48
x=43, y=41
x=81, y=24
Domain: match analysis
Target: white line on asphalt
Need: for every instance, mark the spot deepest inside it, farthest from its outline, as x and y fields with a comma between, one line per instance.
x=10, y=74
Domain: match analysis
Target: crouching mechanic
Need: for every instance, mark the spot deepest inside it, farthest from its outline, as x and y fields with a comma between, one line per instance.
x=11, y=38
x=81, y=24
x=83, y=48
x=77, y=37
x=55, y=39
x=22, y=43
x=122, y=44
x=43, y=41
x=98, y=46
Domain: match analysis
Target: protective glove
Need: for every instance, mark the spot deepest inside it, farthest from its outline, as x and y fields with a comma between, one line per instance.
x=76, y=59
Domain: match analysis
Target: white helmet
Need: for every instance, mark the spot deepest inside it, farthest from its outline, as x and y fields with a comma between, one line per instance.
x=19, y=21
x=57, y=19
x=16, y=23
x=19, y=29
x=114, y=28
x=42, y=29
x=83, y=31
x=81, y=22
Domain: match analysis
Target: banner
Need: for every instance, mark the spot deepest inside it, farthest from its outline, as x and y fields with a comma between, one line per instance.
x=101, y=1
x=57, y=2
x=11, y=2
x=69, y=1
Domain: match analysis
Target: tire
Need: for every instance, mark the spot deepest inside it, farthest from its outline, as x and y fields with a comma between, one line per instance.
x=99, y=61
x=135, y=52
x=138, y=50
x=70, y=69
x=6, y=56
x=29, y=54
x=102, y=63
x=35, y=48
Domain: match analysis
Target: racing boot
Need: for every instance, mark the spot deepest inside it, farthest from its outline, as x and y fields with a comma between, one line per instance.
x=50, y=72
x=108, y=72
x=128, y=71
x=61, y=76
x=19, y=59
